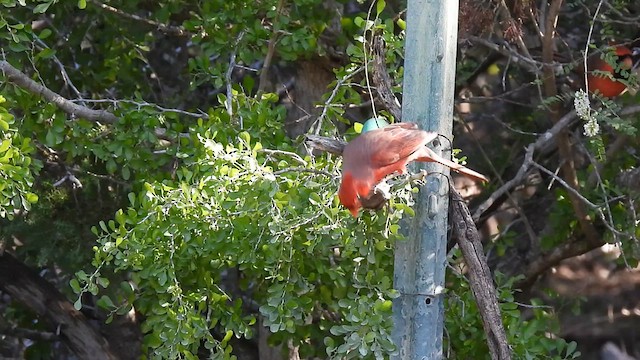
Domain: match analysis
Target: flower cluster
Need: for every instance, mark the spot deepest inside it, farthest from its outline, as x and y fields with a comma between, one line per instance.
x=584, y=111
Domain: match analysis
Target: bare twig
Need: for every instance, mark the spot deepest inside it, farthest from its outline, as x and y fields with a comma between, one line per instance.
x=303, y=170
x=526, y=63
x=568, y=187
x=141, y=104
x=29, y=334
x=71, y=178
x=617, y=145
x=232, y=64
x=607, y=218
x=625, y=19
x=565, y=250
x=167, y=29
x=292, y=155
x=271, y=49
x=525, y=220
x=333, y=94
x=586, y=50
x=19, y=78
x=63, y=71
x=542, y=141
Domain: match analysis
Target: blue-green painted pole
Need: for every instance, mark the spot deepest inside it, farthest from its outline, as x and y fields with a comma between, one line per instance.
x=429, y=72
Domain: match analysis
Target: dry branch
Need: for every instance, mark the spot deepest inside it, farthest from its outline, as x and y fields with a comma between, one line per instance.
x=20, y=79
x=167, y=29
x=551, y=258
x=382, y=80
x=480, y=278
x=32, y=291
x=29, y=334
x=541, y=142
x=322, y=143
x=271, y=50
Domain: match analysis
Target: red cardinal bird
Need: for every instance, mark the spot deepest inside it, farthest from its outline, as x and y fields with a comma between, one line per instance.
x=376, y=154
x=609, y=86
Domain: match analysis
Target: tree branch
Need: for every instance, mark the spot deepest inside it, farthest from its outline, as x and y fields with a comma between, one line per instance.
x=551, y=258
x=167, y=29
x=29, y=334
x=330, y=145
x=20, y=79
x=382, y=80
x=271, y=50
x=542, y=141
x=303, y=170
x=27, y=288
x=480, y=279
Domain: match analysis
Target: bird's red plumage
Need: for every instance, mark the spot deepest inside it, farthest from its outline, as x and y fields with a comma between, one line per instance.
x=606, y=86
x=376, y=154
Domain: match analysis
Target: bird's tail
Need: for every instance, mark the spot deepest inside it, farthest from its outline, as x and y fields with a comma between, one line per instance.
x=430, y=156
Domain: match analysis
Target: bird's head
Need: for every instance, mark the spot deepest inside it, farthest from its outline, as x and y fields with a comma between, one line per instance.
x=625, y=57
x=348, y=194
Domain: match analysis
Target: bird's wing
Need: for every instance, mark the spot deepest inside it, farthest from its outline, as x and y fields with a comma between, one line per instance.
x=393, y=143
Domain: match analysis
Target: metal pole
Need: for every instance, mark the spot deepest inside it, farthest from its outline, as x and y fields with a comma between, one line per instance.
x=430, y=63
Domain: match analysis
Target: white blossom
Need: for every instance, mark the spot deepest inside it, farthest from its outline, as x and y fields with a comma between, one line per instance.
x=591, y=127
x=582, y=105
x=584, y=112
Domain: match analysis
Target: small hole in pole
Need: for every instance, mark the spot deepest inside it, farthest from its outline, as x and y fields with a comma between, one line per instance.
x=427, y=300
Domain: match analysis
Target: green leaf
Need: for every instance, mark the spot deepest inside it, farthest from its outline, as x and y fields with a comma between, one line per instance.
x=46, y=53
x=380, y=6
x=75, y=285
x=111, y=166
x=45, y=33
x=105, y=302
x=5, y=145
x=102, y=281
x=227, y=336
x=42, y=8
x=571, y=347
x=126, y=173
x=51, y=138
x=120, y=218
x=32, y=198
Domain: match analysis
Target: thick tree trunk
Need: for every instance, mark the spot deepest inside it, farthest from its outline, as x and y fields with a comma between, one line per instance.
x=26, y=287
